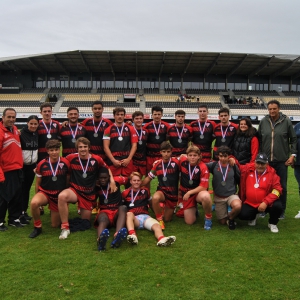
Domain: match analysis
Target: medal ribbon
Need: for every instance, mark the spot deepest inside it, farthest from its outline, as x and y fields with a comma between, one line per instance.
x=72, y=132
x=48, y=130
x=97, y=129
x=179, y=134
x=256, y=176
x=224, y=134
x=107, y=190
x=201, y=129
x=52, y=171
x=87, y=164
x=191, y=174
x=226, y=172
x=163, y=167
x=156, y=131
x=133, y=198
x=120, y=133
x=139, y=135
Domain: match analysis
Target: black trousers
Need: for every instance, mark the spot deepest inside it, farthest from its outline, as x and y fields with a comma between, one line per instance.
x=11, y=195
x=27, y=183
x=249, y=213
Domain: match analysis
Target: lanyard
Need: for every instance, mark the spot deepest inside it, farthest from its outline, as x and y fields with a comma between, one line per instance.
x=84, y=169
x=163, y=167
x=156, y=131
x=120, y=132
x=224, y=134
x=48, y=130
x=56, y=168
x=179, y=134
x=97, y=129
x=107, y=190
x=226, y=171
x=72, y=132
x=133, y=198
x=201, y=129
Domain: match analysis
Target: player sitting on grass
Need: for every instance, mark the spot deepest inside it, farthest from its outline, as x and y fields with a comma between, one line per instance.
x=52, y=176
x=112, y=213
x=167, y=172
x=136, y=199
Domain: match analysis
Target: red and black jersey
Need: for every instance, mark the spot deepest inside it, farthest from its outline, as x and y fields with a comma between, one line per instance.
x=96, y=136
x=179, y=138
x=140, y=154
x=85, y=187
x=192, y=176
x=48, y=185
x=108, y=200
x=120, y=140
x=203, y=137
x=168, y=186
x=46, y=131
x=69, y=136
x=138, y=201
x=224, y=136
x=156, y=135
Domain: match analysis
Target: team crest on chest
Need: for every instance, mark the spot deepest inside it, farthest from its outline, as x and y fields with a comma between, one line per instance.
x=92, y=162
x=54, y=125
x=61, y=165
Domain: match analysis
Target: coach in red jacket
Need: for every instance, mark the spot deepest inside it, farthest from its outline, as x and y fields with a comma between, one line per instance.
x=11, y=163
x=260, y=190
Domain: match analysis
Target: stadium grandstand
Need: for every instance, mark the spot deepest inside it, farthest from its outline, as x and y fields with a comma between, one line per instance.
x=138, y=80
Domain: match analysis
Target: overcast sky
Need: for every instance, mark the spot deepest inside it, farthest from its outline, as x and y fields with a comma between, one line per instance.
x=256, y=26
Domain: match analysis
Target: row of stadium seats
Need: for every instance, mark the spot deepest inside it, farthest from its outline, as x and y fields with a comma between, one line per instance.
x=22, y=97
x=255, y=93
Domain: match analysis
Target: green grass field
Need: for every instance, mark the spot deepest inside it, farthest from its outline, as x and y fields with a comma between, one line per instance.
x=248, y=263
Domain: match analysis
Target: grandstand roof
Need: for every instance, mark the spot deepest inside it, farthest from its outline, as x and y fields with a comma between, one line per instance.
x=157, y=62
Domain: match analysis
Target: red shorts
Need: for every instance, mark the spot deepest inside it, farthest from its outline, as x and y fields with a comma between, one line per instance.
x=121, y=180
x=191, y=202
x=111, y=214
x=52, y=201
x=150, y=161
x=137, y=167
x=170, y=203
x=83, y=203
x=124, y=171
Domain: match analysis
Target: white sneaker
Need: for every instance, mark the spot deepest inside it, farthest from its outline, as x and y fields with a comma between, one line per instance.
x=253, y=222
x=298, y=215
x=132, y=239
x=273, y=228
x=166, y=241
x=64, y=234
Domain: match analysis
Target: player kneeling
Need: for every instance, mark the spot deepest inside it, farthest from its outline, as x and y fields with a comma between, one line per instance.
x=52, y=176
x=112, y=212
x=136, y=199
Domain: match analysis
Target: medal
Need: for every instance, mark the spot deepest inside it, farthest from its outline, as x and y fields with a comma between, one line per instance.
x=201, y=129
x=48, y=129
x=223, y=183
x=133, y=198
x=139, y=135
x=191, y=174
x=54, y=172
x=256, y=185
x=120, y=138
x=157, y=137
x=156, y=130
x=165, y=170
x=140, y=142
x=96, y=129
x=84, y=175
x=223, y=140
x=179, y=134
x=73, y=133
x=105, y=194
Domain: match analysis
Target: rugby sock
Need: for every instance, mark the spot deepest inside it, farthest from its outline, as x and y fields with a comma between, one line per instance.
x=37, y=224
x=159, y=217
x=208, y=216
x=65, y=225
x=130, y=232
x=161, y=237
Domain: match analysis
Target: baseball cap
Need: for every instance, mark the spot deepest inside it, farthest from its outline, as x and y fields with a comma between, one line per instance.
x=261, y=157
